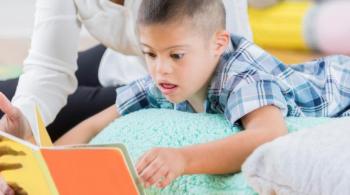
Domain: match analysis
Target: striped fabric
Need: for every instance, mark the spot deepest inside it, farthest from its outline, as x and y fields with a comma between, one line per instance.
x=248, y=78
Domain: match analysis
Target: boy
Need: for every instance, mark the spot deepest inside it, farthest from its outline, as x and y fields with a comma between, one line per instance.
x=195, y=66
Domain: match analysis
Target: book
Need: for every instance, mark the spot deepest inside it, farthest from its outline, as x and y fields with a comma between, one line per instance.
x=67, y=170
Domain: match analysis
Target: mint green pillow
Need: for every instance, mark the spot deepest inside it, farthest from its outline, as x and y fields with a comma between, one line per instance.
x=140, y=131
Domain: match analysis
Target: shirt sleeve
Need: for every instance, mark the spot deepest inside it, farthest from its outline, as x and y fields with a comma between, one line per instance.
x=136, y=96
x=111, y=24
x=237, y=21
x=252, y=96
x=48, y=71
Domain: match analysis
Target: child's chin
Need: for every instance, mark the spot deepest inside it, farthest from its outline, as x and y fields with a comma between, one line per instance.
x=175, y=100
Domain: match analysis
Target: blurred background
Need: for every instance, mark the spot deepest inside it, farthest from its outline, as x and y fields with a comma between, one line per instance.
x=293, y=30
x=16, y=24
x=15, y=29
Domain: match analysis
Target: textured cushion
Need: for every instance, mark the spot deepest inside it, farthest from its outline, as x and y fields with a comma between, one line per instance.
x=143, y=130
x=310, y=162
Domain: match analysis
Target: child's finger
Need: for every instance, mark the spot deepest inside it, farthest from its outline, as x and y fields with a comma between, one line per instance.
x=149, y=171
x=167, y=180
x=160, y=174
x=145, y=160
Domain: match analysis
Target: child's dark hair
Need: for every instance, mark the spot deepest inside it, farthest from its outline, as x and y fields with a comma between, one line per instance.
x=205, y=15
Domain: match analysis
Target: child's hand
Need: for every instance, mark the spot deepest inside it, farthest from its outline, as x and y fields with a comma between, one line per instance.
x=160, y=166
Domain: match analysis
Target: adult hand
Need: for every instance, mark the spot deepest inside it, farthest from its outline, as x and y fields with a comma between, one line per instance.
x=161, y=166
x=10, y=189
x=5, y=189
x=13, y=121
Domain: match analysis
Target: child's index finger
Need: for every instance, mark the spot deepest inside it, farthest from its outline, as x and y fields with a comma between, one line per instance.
x=145, y=160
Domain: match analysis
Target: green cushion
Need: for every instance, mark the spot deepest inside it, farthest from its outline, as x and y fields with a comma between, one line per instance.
x=143, y=130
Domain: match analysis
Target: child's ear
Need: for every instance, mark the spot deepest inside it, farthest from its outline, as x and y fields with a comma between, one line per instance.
x=222, y=39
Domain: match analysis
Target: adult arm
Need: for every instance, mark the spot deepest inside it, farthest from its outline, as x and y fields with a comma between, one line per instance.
x=111, y=23
x=48, y=72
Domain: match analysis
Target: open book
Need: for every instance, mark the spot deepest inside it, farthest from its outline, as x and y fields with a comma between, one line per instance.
x=68, y=170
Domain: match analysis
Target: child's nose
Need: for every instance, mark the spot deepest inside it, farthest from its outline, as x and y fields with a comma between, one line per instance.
x=163, y=67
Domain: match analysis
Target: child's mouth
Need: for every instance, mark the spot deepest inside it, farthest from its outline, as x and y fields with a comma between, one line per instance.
x=167, y=88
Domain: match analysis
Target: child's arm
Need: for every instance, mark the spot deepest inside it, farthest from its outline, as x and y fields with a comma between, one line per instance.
x=227, y=155
x=89, y=128
x=218, y=157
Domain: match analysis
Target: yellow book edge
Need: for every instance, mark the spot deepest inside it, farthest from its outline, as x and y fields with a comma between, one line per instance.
x=44, y=137
x=36, y=162
x=32, y=165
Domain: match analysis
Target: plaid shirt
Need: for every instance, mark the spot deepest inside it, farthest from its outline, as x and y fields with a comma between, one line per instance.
x=248, y=78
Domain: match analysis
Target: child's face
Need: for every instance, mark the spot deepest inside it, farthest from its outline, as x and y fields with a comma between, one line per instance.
x=180, y=60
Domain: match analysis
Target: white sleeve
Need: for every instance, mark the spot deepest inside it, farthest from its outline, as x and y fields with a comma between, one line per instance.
x=237, y=18
x=111, y=24
x=48, y=72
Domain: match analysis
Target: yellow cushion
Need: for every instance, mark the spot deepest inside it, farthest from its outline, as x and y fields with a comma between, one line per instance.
x=280, y=26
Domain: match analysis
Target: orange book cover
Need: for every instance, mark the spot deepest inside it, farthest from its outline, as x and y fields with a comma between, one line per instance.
x=67, y=170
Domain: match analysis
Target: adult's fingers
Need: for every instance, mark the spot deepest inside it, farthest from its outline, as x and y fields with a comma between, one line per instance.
x=5, y=188
x=18, y=190
x=6, y=106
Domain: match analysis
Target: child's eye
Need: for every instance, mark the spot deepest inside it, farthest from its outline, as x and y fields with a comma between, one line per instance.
x=177, y=56
x=149, y=54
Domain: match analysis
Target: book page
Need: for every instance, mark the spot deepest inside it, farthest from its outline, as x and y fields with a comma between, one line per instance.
x=29, y=173
x=90, y=171
x=44, y=137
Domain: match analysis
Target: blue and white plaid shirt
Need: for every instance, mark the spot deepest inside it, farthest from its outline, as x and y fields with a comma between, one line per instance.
x=248, y=78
